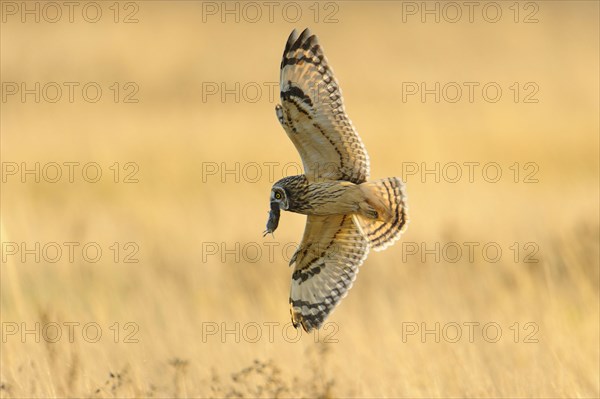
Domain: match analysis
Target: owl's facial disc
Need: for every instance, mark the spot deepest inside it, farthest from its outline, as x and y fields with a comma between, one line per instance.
x=279, y=196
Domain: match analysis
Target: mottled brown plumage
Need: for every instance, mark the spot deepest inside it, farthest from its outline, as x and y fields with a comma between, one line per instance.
x=347, y=215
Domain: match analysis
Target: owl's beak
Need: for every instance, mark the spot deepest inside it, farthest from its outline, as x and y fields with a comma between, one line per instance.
x=273, y=221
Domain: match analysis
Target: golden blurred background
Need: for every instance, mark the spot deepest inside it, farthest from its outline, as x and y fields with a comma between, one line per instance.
x=173, y=103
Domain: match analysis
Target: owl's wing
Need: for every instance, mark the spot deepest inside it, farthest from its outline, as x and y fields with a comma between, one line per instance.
x=312, y=114
x=327, y=262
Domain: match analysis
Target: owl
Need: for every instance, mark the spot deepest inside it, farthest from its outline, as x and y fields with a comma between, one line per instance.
x=346, y=214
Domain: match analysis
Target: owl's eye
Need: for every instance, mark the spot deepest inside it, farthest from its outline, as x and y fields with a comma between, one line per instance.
x=277, y=195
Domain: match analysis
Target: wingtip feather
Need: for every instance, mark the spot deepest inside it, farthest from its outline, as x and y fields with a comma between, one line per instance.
x=291, y=40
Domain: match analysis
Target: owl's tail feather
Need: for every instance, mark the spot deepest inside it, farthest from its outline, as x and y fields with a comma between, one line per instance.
x=388, y=199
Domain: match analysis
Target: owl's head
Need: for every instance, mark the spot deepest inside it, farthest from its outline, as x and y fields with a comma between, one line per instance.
x=279, y=196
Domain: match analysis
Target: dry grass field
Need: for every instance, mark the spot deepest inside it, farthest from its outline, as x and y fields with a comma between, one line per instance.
x=187, y=299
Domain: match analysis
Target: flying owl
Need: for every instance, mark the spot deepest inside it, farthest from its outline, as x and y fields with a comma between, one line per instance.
x=347, y=214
